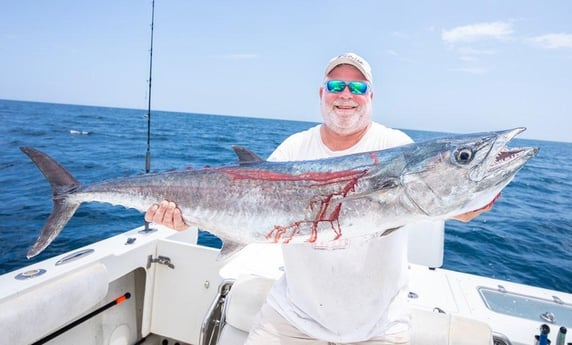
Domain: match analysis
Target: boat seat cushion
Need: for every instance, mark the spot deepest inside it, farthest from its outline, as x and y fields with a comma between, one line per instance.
x=46, y=308
x=248, y=294
x=245, y=299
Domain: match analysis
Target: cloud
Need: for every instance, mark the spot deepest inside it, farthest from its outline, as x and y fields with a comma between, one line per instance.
x=552, y=41
x=477, y=32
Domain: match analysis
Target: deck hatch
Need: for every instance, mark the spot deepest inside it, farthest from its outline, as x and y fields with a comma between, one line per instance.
x=528, y=307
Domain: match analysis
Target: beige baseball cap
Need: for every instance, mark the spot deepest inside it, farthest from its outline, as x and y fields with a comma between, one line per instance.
x=351, y=59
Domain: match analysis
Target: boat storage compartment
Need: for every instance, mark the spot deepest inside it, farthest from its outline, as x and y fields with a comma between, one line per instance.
x=186, y=282
x=528, y=307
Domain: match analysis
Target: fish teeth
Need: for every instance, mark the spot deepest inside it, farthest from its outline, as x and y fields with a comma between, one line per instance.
x=504, y=156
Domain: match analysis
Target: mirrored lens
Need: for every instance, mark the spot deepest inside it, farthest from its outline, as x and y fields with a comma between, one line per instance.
x=336, y=85
x=355, y=87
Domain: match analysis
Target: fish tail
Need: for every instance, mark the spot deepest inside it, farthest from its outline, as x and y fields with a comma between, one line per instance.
x=63, y=185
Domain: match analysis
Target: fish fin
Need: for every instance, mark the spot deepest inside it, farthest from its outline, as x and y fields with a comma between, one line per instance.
x=61, y=214
x=229, y=248
x=389, y=231
x=57, y=176
x=63, y=184
x=246, y=156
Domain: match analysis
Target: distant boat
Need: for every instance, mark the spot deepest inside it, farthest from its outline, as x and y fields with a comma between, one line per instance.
x=76, y=132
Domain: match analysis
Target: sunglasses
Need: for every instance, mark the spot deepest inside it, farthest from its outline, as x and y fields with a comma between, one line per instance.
x=355, y=87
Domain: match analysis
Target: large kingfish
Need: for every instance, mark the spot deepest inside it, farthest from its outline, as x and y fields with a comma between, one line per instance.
x=323, y=199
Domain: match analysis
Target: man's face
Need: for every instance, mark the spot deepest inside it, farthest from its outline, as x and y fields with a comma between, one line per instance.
x=345, y=113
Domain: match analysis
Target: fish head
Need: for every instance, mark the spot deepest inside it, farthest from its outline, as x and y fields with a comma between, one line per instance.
x=451, y=176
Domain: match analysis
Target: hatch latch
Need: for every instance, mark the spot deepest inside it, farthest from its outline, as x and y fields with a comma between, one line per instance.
x=163, y=260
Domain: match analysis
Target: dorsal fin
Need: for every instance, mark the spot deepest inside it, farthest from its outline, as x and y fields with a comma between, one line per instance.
x=246, y=156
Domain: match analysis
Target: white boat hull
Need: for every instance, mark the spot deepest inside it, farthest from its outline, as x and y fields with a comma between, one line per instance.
x=175, y=285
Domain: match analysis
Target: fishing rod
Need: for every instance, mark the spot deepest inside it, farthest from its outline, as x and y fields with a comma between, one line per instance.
x=64, y=329
x=148, y=153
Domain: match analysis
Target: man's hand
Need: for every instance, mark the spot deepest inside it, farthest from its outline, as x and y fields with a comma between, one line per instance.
x=166, y=213
x=466, y=217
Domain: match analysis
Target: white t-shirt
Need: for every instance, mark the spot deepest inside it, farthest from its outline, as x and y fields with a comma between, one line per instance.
x=347, y=290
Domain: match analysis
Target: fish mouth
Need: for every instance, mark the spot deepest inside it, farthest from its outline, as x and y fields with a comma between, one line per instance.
x=506, y=156
x=503, y=160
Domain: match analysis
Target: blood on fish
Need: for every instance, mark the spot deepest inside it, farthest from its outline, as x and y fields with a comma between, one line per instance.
x=327, y=177
x=323, y=215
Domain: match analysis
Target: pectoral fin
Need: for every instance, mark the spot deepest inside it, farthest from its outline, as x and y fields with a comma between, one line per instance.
x=229, y=248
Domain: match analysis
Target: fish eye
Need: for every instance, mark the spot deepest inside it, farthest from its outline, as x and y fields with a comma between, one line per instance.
x=464, y=156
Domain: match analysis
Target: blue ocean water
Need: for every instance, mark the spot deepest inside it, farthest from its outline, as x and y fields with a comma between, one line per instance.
x=526, y=238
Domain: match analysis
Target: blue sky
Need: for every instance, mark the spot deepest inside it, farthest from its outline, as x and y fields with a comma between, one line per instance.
x=453, y=66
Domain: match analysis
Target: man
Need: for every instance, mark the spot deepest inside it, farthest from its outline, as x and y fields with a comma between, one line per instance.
x=348, y=290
